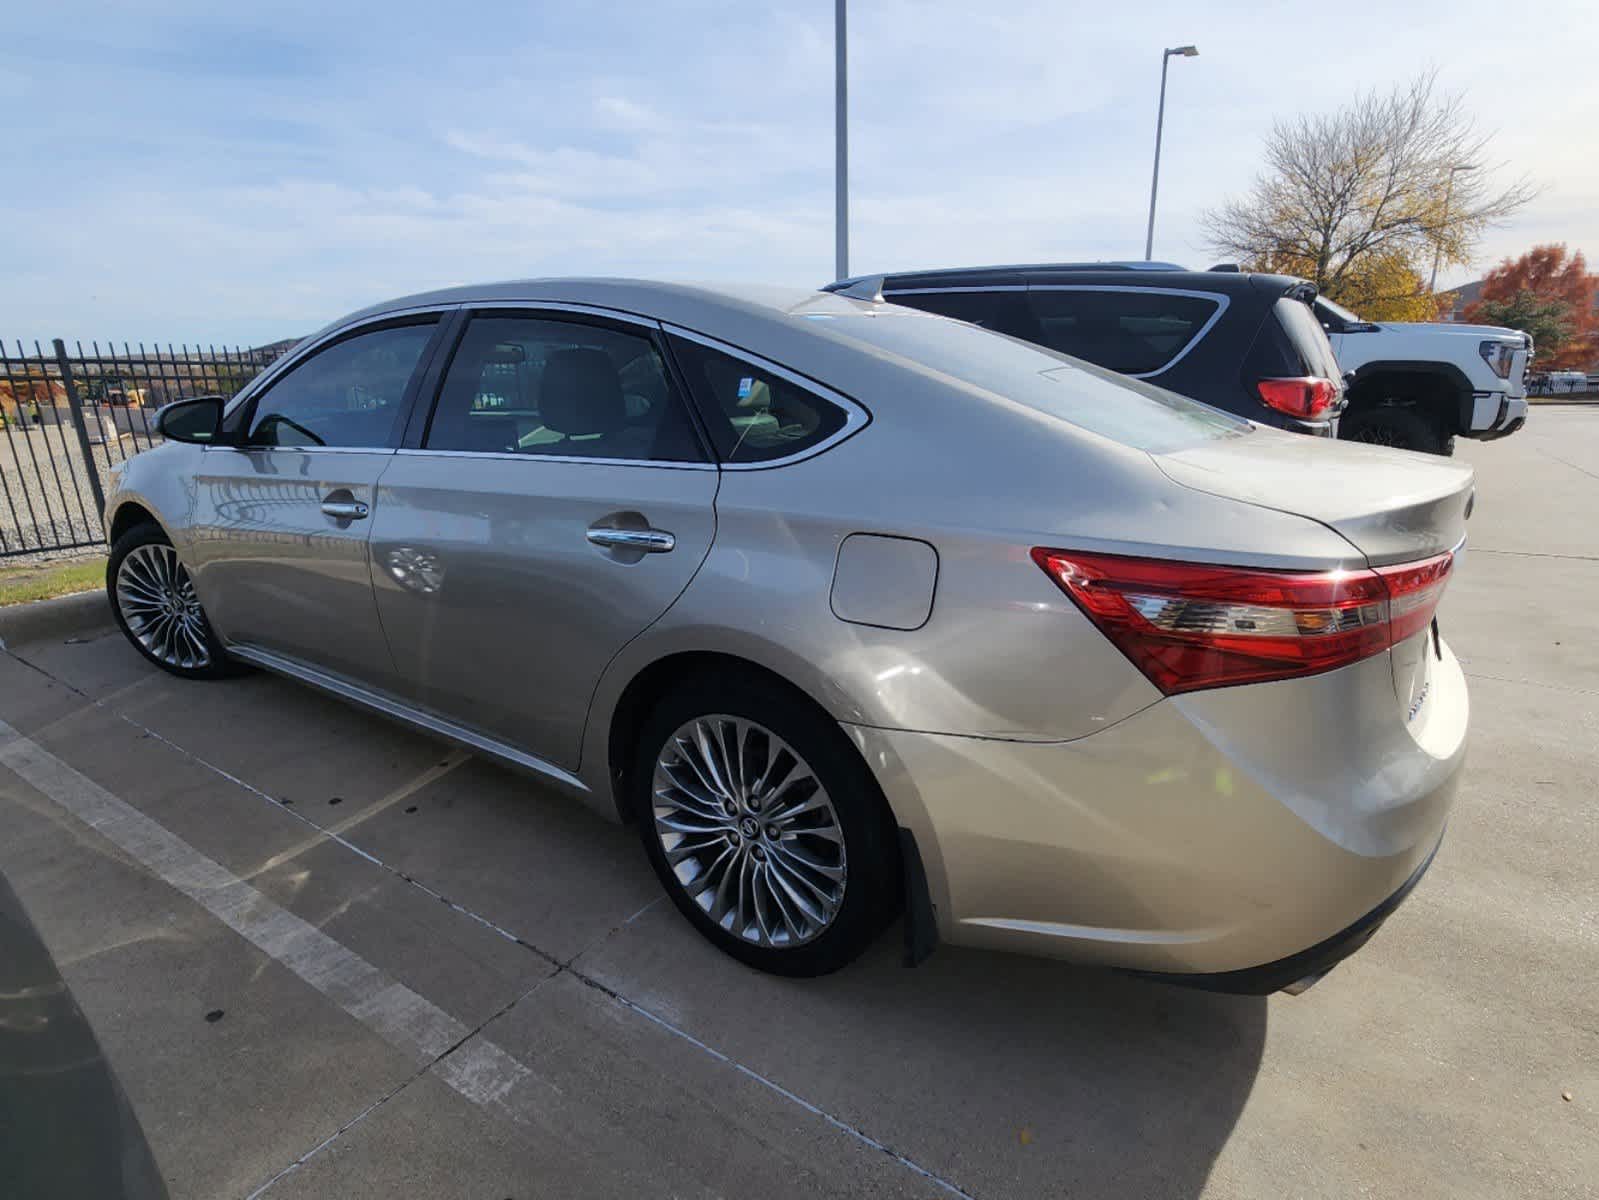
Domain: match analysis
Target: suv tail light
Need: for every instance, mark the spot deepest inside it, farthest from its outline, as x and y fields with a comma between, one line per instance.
x=1193, y=625
x=1308, y=397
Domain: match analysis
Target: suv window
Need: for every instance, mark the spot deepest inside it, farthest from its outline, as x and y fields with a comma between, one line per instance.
x=1301, y=340
x=1126, y=410
x=753, y=413
x=347, y=395
x=1134, y=332
x=539, y=386
x=980, y=308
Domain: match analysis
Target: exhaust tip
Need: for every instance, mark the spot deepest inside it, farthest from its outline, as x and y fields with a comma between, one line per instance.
x=1303, y=984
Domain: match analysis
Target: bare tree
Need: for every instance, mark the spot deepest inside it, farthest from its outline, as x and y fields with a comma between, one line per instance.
x=1368, y=193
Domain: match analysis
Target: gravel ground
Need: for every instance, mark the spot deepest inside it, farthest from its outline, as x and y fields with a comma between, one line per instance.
x=47, y=507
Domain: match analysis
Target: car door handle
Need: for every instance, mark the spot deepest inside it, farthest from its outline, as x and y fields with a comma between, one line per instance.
x=345, y=510
x=650, y=541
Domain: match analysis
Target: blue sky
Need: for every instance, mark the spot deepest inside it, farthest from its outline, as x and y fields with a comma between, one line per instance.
x=197, y=171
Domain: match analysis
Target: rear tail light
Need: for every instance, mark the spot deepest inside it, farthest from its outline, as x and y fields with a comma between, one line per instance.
x=1192, y=625
x=1308, y=397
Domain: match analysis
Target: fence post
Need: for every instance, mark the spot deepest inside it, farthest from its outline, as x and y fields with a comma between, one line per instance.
x=83, y=432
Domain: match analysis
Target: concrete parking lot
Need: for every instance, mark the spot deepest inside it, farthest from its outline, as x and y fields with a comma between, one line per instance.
x=329, y=957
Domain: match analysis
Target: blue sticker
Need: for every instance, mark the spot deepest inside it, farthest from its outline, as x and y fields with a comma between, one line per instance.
x=745, y=387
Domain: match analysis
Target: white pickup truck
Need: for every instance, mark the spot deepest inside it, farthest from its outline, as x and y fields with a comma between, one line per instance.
x=1419, y=386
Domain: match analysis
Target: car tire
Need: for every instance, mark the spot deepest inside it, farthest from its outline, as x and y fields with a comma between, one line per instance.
x=803, y=843
x=1401, y=426
x=153, y=600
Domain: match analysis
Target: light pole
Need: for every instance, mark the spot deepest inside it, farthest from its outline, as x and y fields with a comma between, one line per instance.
x=1443, y=222
x=840, y=144
x=1160, y=120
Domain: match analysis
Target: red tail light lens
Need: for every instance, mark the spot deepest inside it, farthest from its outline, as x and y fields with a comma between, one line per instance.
x=1308, y=397
x=1193, y=625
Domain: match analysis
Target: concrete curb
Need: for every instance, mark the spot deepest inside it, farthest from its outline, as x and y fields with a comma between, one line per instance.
x=59, y=617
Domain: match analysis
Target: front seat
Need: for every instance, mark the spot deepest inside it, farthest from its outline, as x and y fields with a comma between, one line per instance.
x=580, y=397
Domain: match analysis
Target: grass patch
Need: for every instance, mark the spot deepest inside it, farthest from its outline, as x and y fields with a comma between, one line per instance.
x=18, y=585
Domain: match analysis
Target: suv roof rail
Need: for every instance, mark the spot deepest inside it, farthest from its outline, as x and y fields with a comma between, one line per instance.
x=1233, y=268
x=839, y=285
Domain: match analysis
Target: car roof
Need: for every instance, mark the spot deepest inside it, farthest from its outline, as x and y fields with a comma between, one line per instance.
x=686, y=303
x=1119, y=274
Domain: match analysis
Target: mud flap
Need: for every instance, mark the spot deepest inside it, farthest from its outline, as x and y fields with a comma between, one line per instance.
x=921, y=926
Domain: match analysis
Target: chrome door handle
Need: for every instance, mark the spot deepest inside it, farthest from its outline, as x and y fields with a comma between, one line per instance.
x=345, y=510
x=650, y=541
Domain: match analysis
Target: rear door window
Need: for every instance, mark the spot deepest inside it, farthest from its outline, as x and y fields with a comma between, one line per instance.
x=1132, y=332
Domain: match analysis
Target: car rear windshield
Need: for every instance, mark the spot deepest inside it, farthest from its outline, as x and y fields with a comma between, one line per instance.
x=1125, y=410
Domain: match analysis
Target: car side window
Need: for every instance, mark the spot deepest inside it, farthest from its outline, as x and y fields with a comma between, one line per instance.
x=1134, y=332
x=347, y=395
x=560, y=388
x=754, y=414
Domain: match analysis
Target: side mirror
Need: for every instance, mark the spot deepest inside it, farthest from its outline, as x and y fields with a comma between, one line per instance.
x=197, y=420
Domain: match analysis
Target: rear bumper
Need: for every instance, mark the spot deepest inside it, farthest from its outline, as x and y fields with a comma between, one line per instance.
x=1297, y=971
x=1205, y=835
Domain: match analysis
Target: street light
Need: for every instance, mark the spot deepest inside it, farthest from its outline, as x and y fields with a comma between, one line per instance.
x=1160, y=119
x=840, y=145
x=1443, y=223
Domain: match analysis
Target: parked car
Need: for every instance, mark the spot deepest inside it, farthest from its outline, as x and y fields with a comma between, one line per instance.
x=844, y=604
x=1245, y=343
x=1418, y=386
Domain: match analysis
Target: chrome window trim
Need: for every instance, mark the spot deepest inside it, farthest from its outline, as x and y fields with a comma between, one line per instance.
x=393, y=707
x=669, y=464
x=856, y=415
x=309, y=347
x=1220, y=299
x=563, y=306
x=301, y=449
x=935, y=291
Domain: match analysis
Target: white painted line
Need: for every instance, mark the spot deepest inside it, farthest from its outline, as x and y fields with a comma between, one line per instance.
x=406, y=1020
x=470, y=1063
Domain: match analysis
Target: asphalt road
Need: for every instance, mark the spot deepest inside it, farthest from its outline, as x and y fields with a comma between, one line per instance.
x=331, y=958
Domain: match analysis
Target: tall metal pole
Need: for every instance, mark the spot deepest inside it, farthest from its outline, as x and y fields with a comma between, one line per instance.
x=1154, y=183
x=840, y=144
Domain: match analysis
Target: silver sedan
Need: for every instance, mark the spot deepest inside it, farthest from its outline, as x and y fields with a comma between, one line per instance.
x=851, y=609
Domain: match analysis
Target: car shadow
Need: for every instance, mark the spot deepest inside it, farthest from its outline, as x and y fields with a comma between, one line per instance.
x=981, y=1068
x=1112, y=1086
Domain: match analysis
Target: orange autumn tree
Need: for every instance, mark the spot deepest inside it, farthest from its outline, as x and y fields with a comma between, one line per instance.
x=1550, y=295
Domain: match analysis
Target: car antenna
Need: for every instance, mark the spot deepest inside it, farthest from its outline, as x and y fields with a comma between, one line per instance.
x=867, y=287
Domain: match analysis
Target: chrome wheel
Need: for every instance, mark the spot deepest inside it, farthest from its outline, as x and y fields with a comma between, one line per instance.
x=158, y=603
x=749, y=831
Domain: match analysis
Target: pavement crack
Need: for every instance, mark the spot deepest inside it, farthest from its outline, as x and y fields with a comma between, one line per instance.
x=401, y=1086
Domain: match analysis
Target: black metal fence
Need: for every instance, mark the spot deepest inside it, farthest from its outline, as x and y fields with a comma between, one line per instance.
x=68, y=417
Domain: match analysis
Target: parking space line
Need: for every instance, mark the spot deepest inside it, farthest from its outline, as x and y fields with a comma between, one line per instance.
x=471, y=1064
x=406, y=1020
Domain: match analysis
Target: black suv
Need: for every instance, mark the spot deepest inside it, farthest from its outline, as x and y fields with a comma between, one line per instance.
x=1246, y=343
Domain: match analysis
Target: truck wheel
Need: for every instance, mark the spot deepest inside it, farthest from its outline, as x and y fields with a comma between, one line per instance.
x=1403, y=427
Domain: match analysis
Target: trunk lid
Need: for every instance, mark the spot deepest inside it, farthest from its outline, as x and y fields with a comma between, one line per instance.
x=1394, y=506
x=1391, y=505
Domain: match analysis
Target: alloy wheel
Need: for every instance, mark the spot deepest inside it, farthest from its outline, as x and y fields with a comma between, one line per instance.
x=748, y=831
x=158, y=602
